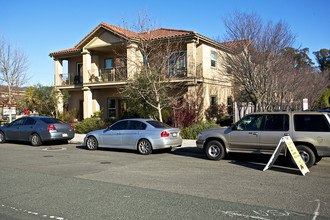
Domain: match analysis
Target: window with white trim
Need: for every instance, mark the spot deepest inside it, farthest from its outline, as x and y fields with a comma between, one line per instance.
x=213, y=59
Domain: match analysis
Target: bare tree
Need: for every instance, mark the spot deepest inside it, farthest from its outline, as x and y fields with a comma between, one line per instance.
x=293, y=84
x=154, y=82
x=257, y=58
x=13, y=67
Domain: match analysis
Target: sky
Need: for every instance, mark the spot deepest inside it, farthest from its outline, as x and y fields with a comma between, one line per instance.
x=39, y=27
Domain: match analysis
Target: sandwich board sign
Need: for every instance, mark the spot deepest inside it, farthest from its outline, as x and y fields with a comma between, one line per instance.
x=287, y=141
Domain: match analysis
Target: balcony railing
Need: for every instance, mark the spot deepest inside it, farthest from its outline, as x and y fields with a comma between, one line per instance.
x=107, y=75
x=71, y=79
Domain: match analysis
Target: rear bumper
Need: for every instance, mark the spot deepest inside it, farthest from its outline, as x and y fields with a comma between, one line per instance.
x=55, y=136
x=163, y=143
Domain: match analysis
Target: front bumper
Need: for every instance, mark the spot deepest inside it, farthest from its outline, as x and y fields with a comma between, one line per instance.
x=200, y=143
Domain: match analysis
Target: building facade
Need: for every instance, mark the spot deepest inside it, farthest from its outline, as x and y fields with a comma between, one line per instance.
x=96, y=68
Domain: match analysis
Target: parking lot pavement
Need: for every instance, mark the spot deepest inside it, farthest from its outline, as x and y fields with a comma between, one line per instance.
x=71, y=182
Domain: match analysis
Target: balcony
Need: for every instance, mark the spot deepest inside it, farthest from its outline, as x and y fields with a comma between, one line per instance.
x=71, y=79
x=107, y=75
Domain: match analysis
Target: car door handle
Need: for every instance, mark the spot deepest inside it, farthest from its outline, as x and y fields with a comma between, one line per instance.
x=253, y=133
x=286, y=134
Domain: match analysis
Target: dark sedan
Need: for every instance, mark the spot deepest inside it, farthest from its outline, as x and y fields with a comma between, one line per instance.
x=36, y=130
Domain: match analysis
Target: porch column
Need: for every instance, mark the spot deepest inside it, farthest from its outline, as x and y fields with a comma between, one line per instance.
x=60, y=103
x=88, y=103
x=87, y=64
x=95, y=65
x=191, y=58
x=58, y=72
x=131, y=60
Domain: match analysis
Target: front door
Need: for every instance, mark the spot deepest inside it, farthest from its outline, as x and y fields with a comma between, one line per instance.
x=13, y=130
x=112, y=137
x=246, y=133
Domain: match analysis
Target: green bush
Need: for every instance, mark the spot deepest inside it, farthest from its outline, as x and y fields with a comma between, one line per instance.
x=192, y=131
x=88, y=125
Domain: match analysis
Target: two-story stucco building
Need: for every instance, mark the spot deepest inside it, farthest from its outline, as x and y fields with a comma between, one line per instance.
x=94, y=72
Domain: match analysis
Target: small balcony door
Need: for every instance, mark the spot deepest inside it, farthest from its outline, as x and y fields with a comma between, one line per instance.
x=78, y=78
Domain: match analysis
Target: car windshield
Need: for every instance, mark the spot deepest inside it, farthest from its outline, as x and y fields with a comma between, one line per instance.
x=51, y=120
x=158, y=124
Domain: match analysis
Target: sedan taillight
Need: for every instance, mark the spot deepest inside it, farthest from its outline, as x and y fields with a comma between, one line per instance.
x=51, y=127
x=72, y=127
x=164, y=134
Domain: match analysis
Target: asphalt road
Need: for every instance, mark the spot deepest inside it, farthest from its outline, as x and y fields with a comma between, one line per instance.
x=71, y=182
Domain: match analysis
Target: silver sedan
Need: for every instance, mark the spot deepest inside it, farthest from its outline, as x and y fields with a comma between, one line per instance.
x=143, y=135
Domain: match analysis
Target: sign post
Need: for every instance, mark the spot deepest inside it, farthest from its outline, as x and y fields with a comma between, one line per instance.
x=287, y=141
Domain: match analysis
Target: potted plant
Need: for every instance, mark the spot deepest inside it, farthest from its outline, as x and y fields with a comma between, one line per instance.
x=92, y=79
x=98, y=114
x=105, y=77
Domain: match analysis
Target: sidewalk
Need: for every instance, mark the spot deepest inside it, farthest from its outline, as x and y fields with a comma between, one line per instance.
x=79, y=139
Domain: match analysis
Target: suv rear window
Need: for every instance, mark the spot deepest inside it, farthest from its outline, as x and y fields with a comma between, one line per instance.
x=311, y=123
x=158, y=124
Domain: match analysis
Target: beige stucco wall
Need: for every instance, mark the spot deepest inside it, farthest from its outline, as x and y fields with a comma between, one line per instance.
x=74, y=100
x=103, y=39
x=100, y=97
x=215, y=82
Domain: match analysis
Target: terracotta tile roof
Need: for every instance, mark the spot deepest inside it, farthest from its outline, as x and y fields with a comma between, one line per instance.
x=71, y=50
x=121, y=31
x=164, y=33
x=149, y=35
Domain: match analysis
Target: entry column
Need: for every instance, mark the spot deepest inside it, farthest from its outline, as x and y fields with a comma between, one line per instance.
x=88, y=103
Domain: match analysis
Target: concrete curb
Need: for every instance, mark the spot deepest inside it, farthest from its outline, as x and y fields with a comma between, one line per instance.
x=79, y=139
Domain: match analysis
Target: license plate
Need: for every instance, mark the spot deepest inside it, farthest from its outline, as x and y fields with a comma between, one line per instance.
x=174, y=134
x=65, y=135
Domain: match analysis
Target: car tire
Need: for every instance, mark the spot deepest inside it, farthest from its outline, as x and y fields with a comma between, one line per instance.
x=35, y=140
x=215, y=150
x=306, y=154
x=92, y=143
x=2, y=137
x=144, y=147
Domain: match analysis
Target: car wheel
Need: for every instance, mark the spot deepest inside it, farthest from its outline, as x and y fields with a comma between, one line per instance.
x=144, y=147
x=2, y=137
x=306, y=154
x=92, y=143
x=215, y=150
x=35, y=140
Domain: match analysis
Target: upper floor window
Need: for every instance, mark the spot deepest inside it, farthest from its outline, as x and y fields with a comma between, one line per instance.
x=177, y=64
x=108, y=64
x=213, y=58
x=213, y=100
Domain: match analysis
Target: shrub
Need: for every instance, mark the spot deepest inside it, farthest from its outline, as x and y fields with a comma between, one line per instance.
x=184, y=114
x=69, y=116
x=88, y=125
x=192, y=131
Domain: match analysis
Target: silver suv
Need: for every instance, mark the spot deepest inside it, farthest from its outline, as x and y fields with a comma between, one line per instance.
x=261, y=132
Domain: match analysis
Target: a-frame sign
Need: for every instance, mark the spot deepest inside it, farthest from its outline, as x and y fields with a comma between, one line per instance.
x=287, y=141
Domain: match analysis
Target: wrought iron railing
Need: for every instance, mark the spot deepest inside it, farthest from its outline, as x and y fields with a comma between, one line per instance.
x=107, y=75
x=71, y=79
